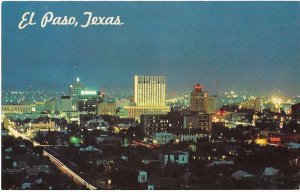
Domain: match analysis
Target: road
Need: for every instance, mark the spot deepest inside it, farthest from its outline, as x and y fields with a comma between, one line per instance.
x=54, y=160
x=150, y=146
x=17, y=134
x=68, y=171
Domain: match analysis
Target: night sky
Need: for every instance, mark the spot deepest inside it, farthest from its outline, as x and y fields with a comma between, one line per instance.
x=253, y=46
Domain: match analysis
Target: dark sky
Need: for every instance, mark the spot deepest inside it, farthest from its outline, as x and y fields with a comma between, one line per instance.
x=254, y=46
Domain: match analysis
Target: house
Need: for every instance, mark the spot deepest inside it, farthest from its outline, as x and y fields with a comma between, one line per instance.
x=39, y=181
x=4, y=132
x=8, y=150
x=90, y=149
x=150, y=187
x=179, y=157
x=125, y=158
x=193, y=148
x=189, y=134
x=7, y=157
x=147, y=160
x=163, y=138
x=241, y=174
x=103, y=160
x=26, y=185
x=12, y=171
x=142, y=176
x=270, y=171
x=292, y=145
x=37, y=169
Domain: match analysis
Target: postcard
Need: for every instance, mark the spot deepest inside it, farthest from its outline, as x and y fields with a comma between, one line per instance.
x=150, y=95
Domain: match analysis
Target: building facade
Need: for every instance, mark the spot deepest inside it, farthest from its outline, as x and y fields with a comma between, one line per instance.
x=64, y=104
x=106, y=109
x=189, y=134
x=150, y=90
x=163, y=138
x=159, y=123
x=75, y=92
x=89, y=100
x=200, y=121
x=8, y=109
x=178, y=157
x=43, y=126
x=149, y=96
x=50, y=105
x=202, y=102
x=155, y=123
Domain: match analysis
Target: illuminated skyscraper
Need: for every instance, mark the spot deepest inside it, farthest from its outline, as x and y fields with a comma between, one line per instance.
x=149, y=96
x=202, y=102
x=75, y=92
x=150, y=90
x=89, y=100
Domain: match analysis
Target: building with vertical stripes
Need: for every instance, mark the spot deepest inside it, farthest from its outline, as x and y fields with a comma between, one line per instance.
x=150, y=90
x=149, y=96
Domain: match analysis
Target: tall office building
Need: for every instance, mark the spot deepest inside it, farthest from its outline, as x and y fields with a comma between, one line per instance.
x=64, y=104
x=202, y=102
x=50, y=105
x=149, y=96
x=150, y=90
x=89, y=100
x=75, y=92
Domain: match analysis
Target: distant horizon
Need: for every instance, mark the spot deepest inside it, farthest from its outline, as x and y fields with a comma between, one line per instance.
x=212, y=91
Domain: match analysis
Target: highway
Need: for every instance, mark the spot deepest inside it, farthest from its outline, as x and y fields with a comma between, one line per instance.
x=16, y=134
x=68, y=171
x=54, y=160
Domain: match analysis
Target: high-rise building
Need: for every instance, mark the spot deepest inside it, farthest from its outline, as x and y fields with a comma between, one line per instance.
x=150, y=90
x=50, y=105
x=75, y=91
x=202, y=102
x=64, y=104
x=149, y=96
x=89, y=100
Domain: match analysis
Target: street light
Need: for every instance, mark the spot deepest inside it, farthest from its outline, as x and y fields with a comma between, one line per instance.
x=75, y=140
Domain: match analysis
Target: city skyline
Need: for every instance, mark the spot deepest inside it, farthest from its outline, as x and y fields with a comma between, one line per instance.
x=254, y=48
x=150, y=95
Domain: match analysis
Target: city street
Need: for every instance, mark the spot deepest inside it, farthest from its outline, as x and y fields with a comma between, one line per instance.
x=54, y=160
